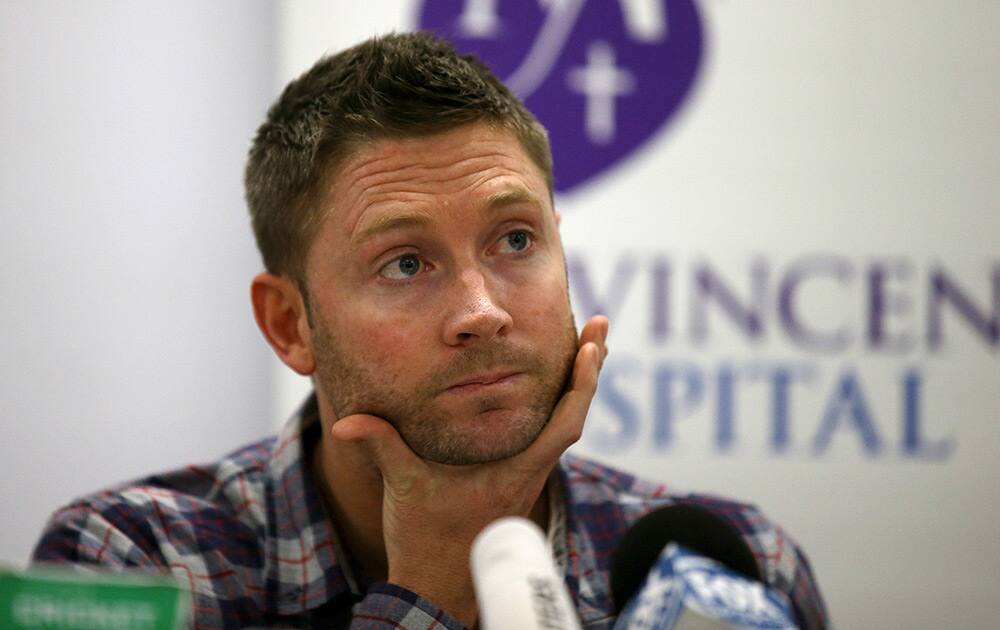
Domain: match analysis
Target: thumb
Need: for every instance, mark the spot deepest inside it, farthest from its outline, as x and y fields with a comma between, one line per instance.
x=379, y=440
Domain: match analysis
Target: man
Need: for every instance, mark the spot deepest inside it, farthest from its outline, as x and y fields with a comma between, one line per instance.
x=401, y=199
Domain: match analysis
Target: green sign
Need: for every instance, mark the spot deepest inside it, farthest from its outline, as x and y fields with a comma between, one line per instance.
x=48, y=598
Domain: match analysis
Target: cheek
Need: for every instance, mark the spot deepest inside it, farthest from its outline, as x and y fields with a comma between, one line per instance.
x=545, y=305
x=390, y=346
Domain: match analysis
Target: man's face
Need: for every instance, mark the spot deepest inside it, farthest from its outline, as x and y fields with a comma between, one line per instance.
x=438, y=295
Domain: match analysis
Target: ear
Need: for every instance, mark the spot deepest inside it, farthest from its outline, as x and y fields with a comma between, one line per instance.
x=281, y=315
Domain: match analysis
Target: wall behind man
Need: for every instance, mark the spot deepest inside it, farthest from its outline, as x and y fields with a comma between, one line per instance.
x=125, y=254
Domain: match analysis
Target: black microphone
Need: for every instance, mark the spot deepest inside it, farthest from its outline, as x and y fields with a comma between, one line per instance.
x=684, y=566
x=691, y=526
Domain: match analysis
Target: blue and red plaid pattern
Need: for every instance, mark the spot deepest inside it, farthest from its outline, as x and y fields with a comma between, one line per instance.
x=249, y=537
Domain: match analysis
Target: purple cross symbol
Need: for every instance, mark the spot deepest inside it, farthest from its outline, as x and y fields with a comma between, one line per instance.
x=603, y=76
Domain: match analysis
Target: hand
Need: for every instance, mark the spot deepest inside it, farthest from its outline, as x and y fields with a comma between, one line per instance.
x=432, y=512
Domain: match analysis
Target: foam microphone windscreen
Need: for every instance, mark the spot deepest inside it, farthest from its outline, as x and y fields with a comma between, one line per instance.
x=692, y=526
x=518, y=586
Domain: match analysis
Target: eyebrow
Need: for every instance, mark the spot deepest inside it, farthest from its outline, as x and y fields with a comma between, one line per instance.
x=393, y=221
x=409, y=218
x=511, y=197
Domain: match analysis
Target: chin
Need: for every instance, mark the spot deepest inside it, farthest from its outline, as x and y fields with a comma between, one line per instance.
x=497, y=435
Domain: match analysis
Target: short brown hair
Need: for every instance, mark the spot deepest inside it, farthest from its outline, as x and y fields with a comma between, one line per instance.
x=400, y=85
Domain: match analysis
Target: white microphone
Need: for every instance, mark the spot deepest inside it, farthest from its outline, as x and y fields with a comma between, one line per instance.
x=516, y=581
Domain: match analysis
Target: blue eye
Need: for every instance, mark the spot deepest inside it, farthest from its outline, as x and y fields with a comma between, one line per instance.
x=517, y=241
x=406, y=266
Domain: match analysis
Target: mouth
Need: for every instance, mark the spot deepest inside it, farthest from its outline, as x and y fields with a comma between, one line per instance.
x=484, y=382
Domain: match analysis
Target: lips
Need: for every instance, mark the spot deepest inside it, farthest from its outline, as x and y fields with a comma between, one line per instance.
x=485, y=381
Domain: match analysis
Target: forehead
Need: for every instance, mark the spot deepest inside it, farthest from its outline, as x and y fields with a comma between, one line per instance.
x=436, y=173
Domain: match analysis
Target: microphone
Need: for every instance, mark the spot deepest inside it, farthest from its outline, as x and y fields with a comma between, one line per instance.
x=683, y=567
x=516, y=582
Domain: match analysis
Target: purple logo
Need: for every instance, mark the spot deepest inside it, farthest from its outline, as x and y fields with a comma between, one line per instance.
x=602, y=76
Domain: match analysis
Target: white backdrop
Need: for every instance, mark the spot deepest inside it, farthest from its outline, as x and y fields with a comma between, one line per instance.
x=837, y=155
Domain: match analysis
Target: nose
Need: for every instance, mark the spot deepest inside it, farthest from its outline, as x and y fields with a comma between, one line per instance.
x=475, y=313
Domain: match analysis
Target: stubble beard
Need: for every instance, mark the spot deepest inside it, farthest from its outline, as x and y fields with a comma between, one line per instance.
x=428, y=431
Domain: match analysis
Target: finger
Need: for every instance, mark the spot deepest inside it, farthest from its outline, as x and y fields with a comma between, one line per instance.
x=566, y=424
x=596, y=331
x=381, y=443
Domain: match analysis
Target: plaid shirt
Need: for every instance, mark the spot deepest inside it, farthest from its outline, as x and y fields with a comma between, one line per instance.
x=250, y=538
